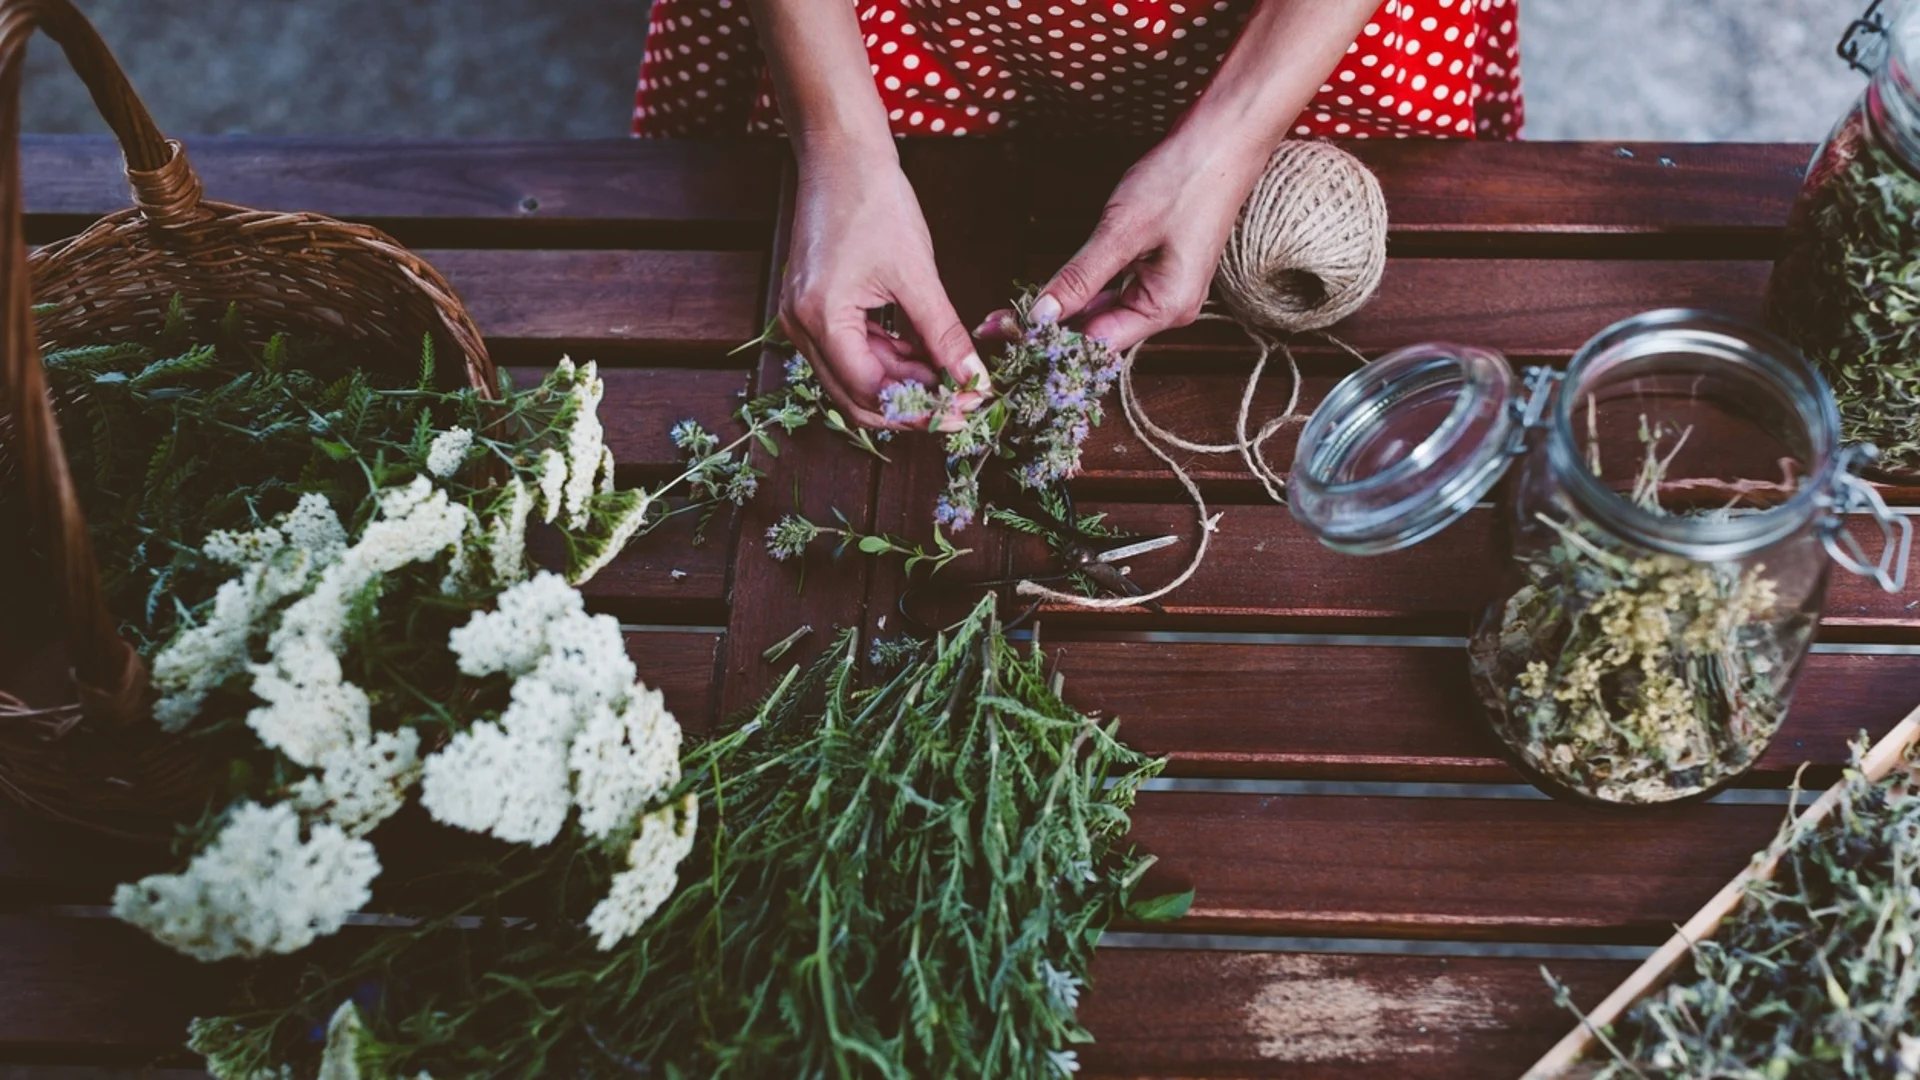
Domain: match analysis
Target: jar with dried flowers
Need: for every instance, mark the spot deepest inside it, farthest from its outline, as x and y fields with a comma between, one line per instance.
x=1667, y=536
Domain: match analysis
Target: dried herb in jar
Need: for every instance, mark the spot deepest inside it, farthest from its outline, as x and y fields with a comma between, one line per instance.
x=1635, y=677
x=1847, y=290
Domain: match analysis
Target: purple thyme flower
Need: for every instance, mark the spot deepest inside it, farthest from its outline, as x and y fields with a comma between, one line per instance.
x=905, y=403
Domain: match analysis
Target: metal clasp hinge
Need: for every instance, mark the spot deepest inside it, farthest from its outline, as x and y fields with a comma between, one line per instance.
x=1531, y=411
x=1865, y=41
x=1850, y=494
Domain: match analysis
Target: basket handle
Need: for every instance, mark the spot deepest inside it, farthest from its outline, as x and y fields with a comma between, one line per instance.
x=111, y=678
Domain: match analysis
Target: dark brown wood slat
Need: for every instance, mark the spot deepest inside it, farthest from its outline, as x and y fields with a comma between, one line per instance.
x=611, y=183
x=1453, y=868
x=1396, y=712
x=588, y=299
x=661, y=577
x=96, y=984
x=1685, y=196
x=1331, y=1016
x=1524, y=307
x=643, y=404
x=972, y=196
x=680, y=664
x=91, y=988
x=1263, y=564
x=816, y=474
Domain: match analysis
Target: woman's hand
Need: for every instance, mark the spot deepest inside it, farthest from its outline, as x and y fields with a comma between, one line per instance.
x=860, y=242
x=1169, y=219
x=1163, y=227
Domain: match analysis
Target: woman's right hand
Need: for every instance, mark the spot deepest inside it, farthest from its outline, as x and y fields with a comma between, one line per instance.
x=859, y=243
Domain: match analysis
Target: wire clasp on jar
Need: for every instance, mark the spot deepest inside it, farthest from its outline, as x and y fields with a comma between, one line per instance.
x=1848, y=495
x=1530, y=412
x=1865, y=42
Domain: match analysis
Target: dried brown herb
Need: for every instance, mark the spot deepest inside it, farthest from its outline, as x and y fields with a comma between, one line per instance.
x=1815, y=977
x=1632, y=676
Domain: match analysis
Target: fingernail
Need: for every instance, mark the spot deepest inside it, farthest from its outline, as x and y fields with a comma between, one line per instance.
x=1044, y=310
x=950, y=423
x=974, y=375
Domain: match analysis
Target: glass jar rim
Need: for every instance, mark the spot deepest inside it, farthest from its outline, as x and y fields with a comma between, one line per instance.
x=1759, y=352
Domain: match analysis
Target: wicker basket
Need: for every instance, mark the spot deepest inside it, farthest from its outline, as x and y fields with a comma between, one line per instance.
x=77, y=741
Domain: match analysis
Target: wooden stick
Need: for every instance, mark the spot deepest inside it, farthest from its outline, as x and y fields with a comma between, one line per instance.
x=1878, y=763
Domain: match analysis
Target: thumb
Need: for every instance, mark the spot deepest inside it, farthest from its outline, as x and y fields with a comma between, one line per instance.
x=1097, y=262
x=948, y=344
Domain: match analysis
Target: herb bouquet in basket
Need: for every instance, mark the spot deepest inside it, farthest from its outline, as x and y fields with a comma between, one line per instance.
x=265, y=565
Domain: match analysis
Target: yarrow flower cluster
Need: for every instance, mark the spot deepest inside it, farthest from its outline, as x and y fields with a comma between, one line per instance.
x=580, y=731
x=449, y=451
x=261, y=887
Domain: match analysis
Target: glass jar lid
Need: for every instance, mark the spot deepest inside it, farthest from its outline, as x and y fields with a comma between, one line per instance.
x=1404, y=446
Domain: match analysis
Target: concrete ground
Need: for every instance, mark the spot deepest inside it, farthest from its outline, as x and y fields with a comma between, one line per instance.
x=1650, y=69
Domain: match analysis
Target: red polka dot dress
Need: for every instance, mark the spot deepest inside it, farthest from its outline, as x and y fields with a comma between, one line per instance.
x=1429, y=68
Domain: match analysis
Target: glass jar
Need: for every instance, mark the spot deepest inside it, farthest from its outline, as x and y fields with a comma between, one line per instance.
x=1846, y=287
x=1666, y=538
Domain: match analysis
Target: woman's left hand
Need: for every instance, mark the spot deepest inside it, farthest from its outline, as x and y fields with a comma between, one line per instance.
x=1163, y=227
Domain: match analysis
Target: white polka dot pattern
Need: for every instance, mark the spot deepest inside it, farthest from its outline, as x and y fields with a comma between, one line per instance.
x=1430, y=68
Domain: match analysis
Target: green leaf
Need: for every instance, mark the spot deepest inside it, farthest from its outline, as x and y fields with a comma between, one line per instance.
x=1163, y=908
x=767, y=443
x=875, y=545
x=338, y=451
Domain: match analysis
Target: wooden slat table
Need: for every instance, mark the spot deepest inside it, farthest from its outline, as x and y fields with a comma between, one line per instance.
x=1376, y=889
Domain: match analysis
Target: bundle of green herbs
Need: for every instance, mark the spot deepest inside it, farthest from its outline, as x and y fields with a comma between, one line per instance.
x=1815, y=977
x=902, y=881
x=1846, y=289
x=1631, y=676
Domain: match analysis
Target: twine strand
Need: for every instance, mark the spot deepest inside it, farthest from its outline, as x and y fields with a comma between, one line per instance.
x=1309, y=250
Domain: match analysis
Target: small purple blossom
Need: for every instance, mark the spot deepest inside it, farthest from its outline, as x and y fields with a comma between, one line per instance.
x=950, y=516
x=905, y=403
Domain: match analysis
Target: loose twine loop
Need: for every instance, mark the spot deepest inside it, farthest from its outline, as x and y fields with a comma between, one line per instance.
x=1308, y=251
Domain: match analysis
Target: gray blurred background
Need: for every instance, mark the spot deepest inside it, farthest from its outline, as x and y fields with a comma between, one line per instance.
x=1593, y=69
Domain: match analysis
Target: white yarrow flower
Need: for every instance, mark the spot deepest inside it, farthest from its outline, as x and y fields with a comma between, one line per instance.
x=314, y=528
x=586, y=441
x=512, y=638
x=241, y=549
x=553, y=484
x=489, y=780
x=449, y=451
x=257, y=889
x=340, y=1060
x=622, y=763
x=361, y=785
x=508, y=533
x=310, y=709
x=653, y=869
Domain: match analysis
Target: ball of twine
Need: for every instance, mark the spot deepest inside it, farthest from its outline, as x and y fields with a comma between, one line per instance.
x=1311, y=242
